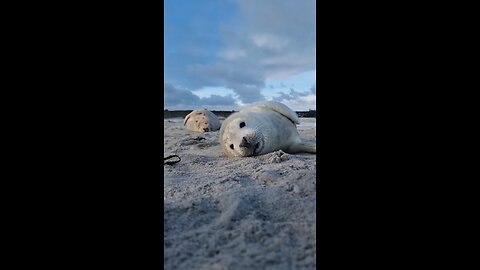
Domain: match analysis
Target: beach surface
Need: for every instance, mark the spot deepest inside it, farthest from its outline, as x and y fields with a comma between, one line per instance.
x=237, y=213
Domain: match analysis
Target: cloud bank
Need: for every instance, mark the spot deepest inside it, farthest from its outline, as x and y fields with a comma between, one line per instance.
x=253, y=42
x=182, y=99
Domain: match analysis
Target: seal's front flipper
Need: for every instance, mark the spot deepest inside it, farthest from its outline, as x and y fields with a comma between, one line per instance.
x=301, y=148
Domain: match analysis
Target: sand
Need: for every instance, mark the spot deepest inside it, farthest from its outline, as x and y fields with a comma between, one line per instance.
x=237, y=213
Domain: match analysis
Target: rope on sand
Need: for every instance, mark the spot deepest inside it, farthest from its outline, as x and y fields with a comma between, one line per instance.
x=171, y=162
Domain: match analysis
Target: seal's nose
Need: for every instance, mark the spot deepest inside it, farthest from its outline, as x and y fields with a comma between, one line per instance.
x=205, y=129
x=245, y=143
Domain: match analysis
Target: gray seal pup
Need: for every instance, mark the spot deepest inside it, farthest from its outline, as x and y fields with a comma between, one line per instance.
x=262, y=128
x=201, y=120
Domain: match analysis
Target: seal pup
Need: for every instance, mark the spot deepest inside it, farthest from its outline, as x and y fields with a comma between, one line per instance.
x=262, y=128
x=201, y=120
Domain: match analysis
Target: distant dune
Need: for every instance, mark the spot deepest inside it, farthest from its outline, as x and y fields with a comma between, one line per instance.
x=183, y=113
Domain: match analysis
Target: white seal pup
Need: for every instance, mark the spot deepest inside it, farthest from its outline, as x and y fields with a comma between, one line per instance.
x=201, y=121
x=262, y=128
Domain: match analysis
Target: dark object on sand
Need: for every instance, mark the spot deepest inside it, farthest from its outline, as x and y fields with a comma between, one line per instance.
x=171, y=162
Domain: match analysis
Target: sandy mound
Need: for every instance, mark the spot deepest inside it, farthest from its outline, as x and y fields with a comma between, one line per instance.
x=237, y=213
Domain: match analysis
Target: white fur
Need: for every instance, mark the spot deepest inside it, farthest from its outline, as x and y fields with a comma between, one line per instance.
x=269, y=126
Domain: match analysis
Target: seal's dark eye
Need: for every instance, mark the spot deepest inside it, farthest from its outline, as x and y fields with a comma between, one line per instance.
x=231, y=146
x=242, y=124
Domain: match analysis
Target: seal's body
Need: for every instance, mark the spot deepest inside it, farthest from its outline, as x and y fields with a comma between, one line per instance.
x=262, y=128
x=201, y=121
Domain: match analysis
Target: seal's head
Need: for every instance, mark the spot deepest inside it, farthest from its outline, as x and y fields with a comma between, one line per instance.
x=240, y=136
x=198, y=121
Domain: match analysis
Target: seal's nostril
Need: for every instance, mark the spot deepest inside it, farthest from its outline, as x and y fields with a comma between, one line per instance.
x=205, y=129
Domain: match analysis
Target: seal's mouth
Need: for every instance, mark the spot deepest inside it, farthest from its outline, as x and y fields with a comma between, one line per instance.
x=255, y=149
x=207, y=128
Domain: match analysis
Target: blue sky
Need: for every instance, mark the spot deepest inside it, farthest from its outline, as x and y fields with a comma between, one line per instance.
x=222, y=54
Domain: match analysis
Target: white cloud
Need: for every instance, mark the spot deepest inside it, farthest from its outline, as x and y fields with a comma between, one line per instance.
x=245, y=81
x=269, y=41
x=302, y=103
